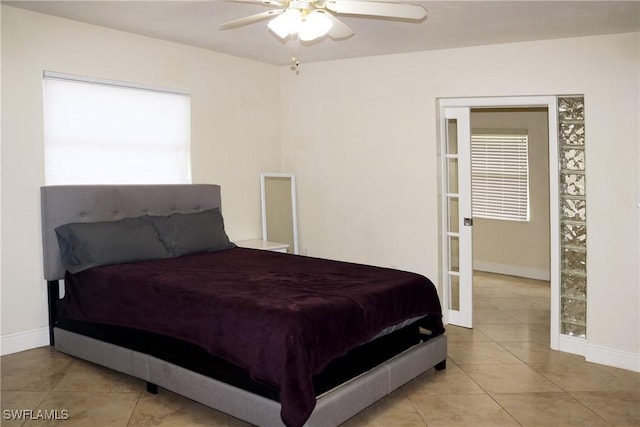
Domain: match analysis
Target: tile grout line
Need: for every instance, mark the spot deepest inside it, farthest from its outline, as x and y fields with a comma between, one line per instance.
x=490, y=396
x=569, y=393
x=135, y=406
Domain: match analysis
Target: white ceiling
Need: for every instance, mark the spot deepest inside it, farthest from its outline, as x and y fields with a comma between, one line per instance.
x=450, y=24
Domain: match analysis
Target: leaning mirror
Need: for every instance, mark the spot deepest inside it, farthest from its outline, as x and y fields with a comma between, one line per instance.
x=279, y=213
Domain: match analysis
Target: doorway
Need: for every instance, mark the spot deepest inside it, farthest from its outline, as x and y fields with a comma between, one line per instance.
x=456, y=214
x=511, y=236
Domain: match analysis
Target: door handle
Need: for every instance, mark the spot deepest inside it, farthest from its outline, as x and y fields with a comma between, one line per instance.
x=468, y=222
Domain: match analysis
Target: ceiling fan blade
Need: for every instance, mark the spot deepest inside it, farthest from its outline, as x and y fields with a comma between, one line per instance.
x=339, y=30
x=265, y=2
x=388, y=10
x=250, y=19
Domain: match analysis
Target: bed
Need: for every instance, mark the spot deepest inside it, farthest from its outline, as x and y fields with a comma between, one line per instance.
x=273, y=339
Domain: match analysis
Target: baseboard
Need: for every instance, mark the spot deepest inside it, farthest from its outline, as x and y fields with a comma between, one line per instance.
x=599, y=354
x=512, y=270
x=573, y=345
x=611, y=357
x=13, y=343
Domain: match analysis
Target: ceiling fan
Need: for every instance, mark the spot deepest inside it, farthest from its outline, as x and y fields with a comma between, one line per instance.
x=312, y=19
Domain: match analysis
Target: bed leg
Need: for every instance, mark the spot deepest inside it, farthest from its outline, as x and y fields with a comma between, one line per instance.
x=441, y=366
x=152, y=388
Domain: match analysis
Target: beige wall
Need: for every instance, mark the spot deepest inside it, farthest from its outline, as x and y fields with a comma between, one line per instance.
x=226, y=94
x=367, y=173
x=513, y=247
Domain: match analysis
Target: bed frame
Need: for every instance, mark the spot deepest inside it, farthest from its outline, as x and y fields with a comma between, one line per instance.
x=89, y=203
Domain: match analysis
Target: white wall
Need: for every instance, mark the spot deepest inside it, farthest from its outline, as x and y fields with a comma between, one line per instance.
x=522, y=248
x=227, y=93
x=361, y=135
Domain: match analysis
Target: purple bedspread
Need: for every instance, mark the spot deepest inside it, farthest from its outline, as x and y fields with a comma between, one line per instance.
x=281, y=317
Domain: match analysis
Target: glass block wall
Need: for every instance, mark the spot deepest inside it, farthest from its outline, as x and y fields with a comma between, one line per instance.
x=573, y=217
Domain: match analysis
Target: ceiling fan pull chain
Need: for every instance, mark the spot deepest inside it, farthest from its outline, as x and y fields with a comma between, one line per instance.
x=295, y=63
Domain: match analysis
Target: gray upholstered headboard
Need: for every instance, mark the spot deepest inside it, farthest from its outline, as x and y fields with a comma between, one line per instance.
x=64, y=204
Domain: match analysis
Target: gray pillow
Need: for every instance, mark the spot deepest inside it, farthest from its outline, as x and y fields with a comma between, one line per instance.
x=193, y=232
x=91, y=244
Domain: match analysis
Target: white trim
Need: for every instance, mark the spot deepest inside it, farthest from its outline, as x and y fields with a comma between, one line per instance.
x=573, y=345
x=612, y=357
x=554, y=223
x=599, y=354
x=512, y=270
x=20, y=341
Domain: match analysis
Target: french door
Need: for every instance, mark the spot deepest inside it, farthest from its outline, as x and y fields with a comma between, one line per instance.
x=458, y=220
x=456, y=225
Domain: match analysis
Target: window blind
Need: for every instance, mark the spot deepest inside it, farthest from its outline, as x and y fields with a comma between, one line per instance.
x=500, y=174
x=105, y=132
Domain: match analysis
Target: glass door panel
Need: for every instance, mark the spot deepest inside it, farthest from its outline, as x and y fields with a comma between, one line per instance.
x=454, y=286
x=454, y=217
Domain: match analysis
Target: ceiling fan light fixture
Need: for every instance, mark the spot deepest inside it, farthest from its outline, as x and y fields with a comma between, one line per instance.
x=315, y=25
x=287, y=23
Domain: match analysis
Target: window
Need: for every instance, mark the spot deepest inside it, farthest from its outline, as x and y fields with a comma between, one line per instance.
x=105, y=132
x=500, y=174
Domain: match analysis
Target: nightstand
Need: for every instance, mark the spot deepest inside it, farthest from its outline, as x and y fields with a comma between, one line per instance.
x=263, y=245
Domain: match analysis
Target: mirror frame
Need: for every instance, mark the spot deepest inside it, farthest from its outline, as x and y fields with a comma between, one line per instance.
x=294, y=210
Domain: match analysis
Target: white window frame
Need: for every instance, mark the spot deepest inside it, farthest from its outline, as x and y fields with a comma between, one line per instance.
x=101, y=131
x=500, y=174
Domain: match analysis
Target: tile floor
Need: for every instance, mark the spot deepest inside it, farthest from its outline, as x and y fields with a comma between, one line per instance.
x=500, y=373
